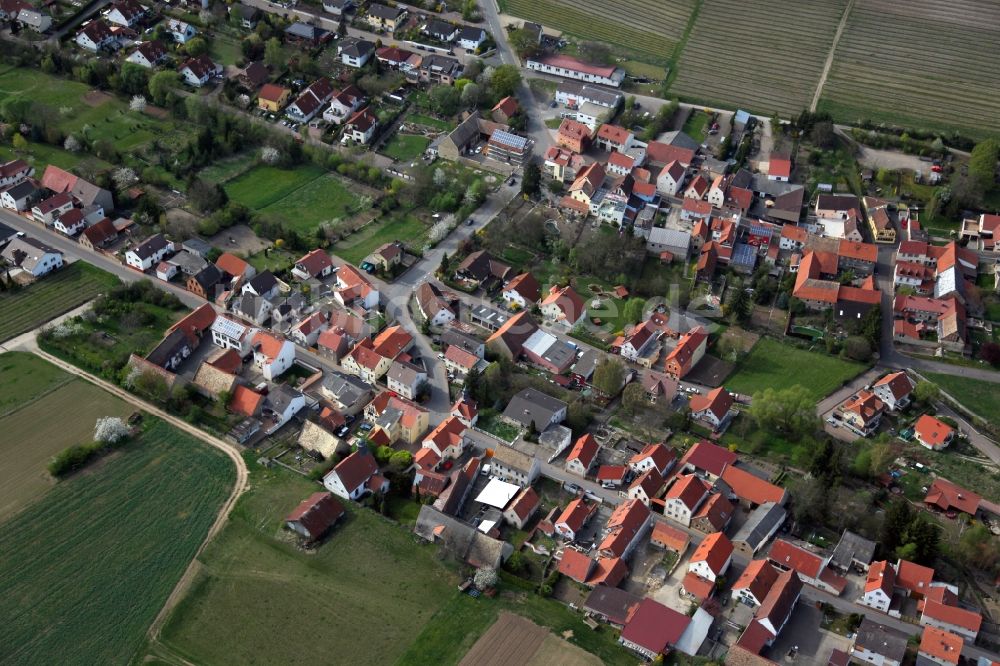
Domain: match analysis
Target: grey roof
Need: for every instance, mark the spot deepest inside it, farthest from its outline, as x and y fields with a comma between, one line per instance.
x=760, y=184
x=197, y=246
x=679, y=139
x=252, y=307
x=471, y=33
x=595, y=94
x=531, y=405
x=761, y=522
x=439, y=28
x=453, y=336
x=384, y=11
x=881, y=639
x=187, y=262
x=23, y=189
x=611, y=602
x=405, y=373
x=671, y=237
x=248, y=12
x=853, y=548
x=208, y=277
x=263, y=282
x=346, y=388
x=281, y=396
x=305, y=31
x=6, y=232
x=357, y=48
x=26, y=252
x=169, y=347
x=587, y=363
x=442, y=64
x=461, y=540
x=150, y=246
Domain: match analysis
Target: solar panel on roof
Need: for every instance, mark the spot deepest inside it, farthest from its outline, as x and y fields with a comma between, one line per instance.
x=508, y=140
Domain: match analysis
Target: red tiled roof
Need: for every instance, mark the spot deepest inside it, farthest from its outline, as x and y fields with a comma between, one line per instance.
x=317, y=513
x=653, y=626
x=623, y=526
x=461, y=358
x=196, y=322
x=717, y=401
x=584, y=450
x=754, y=638
x=525, y=502
x=650, y=482
x=708, y=457
x=230, y=263
x=526, y=285
x=792, y=557
x=953, y=615
x=660, y=454
x=779, y=166
x=391, y=341
x=689, y=489
x=881, y=576
x=245, y=401
x=913, y=577
x=611, y=472
x=576, y=514
x=575, y=565
x=508, y=106
x=572, y=64
x=714, y=550
x=946, y=495
x=717, y=511
x=609, y=571
x=696, y=206
x=698, y=587
x=860, y=251
x=941, y=644
x=758, y=577
x=268, y=345
x=613, y=133
x=932, y=432
x=315, y=262
x=671, y=537
x=356, y=469
x=426, y=458
x=751, y=488
x=664, y=153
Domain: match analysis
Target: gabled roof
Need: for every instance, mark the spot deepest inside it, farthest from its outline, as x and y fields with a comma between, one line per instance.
x=524, y=503
x=750, y=488
x=717, y=510
x=897, y=383
x=651, y=481
x=585, y=450
x=946, y=495
x=671, y=537
x=790, y=556
x=688, y=489
x=526, y=285
x=913, y=577
x=717, y=401
x=931, y=431
x=245, y=401
x=267, y=345
x=780, y=599
x=942, y=645
x=758, y=578
x=355, y=469
x=660, y=455
x=317, y=513
x=714, y=551
x=272, y=93
x=881, y=576
x=708, y=457
x=576, y=514
x=654, y=627
x=623, y=526
x=231, y=264
x=575, y=565
x=613, y=133
x=953, y=615
x=684, y=351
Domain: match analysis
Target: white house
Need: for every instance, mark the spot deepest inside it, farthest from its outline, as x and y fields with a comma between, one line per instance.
x=715, y=408
x=878, y=587
x=126, y=13
x=71, y=222
x=166, y=271
x=283, y=402
x=18, y=197
x=583, y=455
x=471, y=38
x=712, y=557
x=355, y=52
x=310, y=102
x=181, y=32
x=355, y=476
x=148, y=54
x=199, y=71
x=32, y=255
x=46, y=211
x=447, y=440
x=343, y=105
x=894, y=390
x=272, y=355
x=149, y=252
x=669, y=182
x=307, y=331
x=571, y=68
x=230, y=334
x=95, y=36
x=361, y=127
x=654, y=456
x=639, y=341
x=684, y=498
x=14, y=172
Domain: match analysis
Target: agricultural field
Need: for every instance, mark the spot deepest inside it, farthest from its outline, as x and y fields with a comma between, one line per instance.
x=260, y=599
x=772, y=364
x=647, y=28
x=301, y=198
x=88, y=566
x=40, y=155
x=53, y=295
x=31, y=436
x=513, y=639
x=405, y=147
x=918, y=63
x=763, y=58
x=404, y=227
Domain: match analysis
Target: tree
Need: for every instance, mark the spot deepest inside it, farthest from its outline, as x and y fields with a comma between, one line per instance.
x=978, y=548
x=133, y=79
x=634, y=397
x=632, y=310
x=924, y=537
x=19, y=142
x=110, y=429
x=857, y=348
x=897, y=516
x=595, y=52
x=505, y=80
x=124, y=177
x=161, y=84
x=609, y=375
x=524, y=42
x=401, y=459
x=531, y=179
x=445, y=100
x=791, y=411
x=926, y=392
x=990, y=352
x=983, y=164
x=137, y=104
x=196, y=46
x=206, y=197
x=270, y=155
x=470, y=95
x=822, y=134
x=739, y=307
x=72, y=144
x=274, y=55
x=485, y=578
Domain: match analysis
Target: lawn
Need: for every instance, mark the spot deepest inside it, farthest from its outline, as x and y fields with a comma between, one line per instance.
x=225, y=50
x=490, y=421
x=360, y=598
x=223, y=171
x=772, y=364
x=406, y=147
x=405, y=227
x=49, y=297
x=87, y=568
x=31, y=436
x=428, y=121
x=40, y=155
x=275, y=261
x=696, y=125
x=980, y=396
x=266, y=185
x=457, y=626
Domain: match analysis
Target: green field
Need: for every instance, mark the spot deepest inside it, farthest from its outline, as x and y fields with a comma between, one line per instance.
x=405, y=147
x=225, y=170
x=31, y=435
x=225, y=50
x=40, y=155
x=982, y=397
x=772, y=364
x=87, y=567
x=428, y=121
x=49, y=297
x=406, y=228
x=302, y=198
x=361, y=598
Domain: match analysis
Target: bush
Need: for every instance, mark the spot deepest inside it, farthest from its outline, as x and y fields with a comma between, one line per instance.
x=74, y=458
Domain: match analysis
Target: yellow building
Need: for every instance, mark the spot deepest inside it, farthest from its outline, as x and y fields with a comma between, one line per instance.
x=272, y=98
x=881, y=225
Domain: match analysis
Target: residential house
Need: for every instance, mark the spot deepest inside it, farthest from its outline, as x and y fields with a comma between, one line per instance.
x=272, y=97
x=564, y=305
x=207, y=282
x=690, y=349
x=940, y=647
x=507, y=147
x=272, y=355
x=96, y=35
x=355, y=476
x=627, y=526
x=310, y=101
x=671, y=178
x=181, y=32
x=21, y=196
x=684, y=497
x=447, y=440
x=253, y=76
x=573, y=136
x=282, y=403
x=562, y=165
x=773, y=613
x=610, y=604
x=355, y=52
x=879, y=221
x=879, y=586
x=353, y=288
x=944, y=495
x=532, y=409
x=405, y=379
x=249, y=16
x=707, y=460
x=149, y=252
x=712, y=557
x=348, y=394
x=252, y=308
x=574, y=518
x=230, y=334
x=47, y=210
x=653, y=457
x=653, y=629
x=914, y=579
x=614, y=138
x=646, y=487
x=853, y=551
x=384, y=17
x=894, y=390
x=315, y=516
x=669, y=538
x=126, y=13
x=571, y=68
x=230, y=264
x=640, y=340
x=509, y=464
x=465, y=410
x=811, y=568
x=433, y=306
x=583, y=569
x=435, y=68
x=393, y=57
x=366, y=363
x=471, y=38
x=583, y=455
x=199, y=71
x=863, y=412
x=762, y=524
x=522, y=508
x=751, y=490
x=932, y=433
x=308, y=330
x=779, y=168
x=263, y=284
x=504, y=110
x=439, y=30
x=714, y=408
x=99, y=235
x=753, y=585
x=950, y=618
x=305, y=35
x=879, y=644
x=575, y=95
x=70, y=222
x=398, y=418
x=338, y=7
x=522, y=291
x=148, y=54
x=316, y=264
x=333, y=343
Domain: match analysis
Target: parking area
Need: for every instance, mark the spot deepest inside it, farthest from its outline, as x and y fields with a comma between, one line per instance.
x=803, y=641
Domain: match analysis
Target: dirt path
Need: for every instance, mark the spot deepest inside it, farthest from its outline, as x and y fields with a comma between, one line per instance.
x=238, y=488
x=829, y=56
